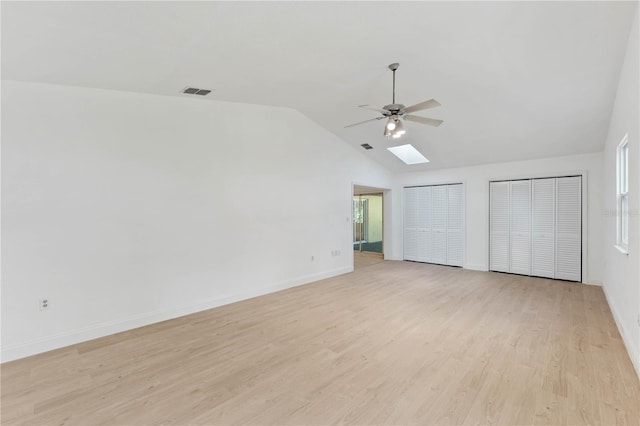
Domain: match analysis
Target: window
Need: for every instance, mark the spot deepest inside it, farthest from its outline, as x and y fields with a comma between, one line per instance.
x=622, y=173
x=408, y=154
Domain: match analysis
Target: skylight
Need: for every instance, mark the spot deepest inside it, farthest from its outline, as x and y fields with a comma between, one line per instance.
x=408, y=154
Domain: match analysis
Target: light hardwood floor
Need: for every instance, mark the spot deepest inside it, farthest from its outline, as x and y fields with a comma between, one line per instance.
x=391, y=343
x=362, y=259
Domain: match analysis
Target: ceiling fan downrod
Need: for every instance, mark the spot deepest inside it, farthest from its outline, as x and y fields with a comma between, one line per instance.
x=393, y=67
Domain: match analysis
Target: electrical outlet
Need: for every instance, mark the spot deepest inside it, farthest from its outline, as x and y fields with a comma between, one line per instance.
x=312, y=257
x=44, y=304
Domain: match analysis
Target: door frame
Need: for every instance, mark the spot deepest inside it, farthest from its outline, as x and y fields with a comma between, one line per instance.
x=356, y=188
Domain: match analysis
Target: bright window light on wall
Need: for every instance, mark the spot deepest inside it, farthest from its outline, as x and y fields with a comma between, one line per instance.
x=408, y=154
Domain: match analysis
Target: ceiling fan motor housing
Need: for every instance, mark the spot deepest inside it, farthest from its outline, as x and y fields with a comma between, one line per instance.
x=393, y=107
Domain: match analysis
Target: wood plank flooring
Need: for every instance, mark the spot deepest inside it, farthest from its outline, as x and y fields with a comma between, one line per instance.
x=362, y=259
x=391, y=343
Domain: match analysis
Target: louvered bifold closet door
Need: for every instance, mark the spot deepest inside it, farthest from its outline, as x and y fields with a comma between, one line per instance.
x=520, y=200
x=439, y=224
x=569, y=228
x=455, y=222
x=423, y=219
x=542, y=227
x=499, y=226
x=410, y=224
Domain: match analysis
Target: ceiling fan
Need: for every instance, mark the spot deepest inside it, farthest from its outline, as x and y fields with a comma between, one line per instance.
x=394, y=112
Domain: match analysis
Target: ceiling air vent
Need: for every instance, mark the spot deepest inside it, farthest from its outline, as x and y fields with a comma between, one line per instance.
x=195, y=91
x=366, y=146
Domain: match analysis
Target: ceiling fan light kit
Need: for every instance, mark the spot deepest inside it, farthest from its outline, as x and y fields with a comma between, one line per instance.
x=391, y=124
x=395, y=112
x=398, y=130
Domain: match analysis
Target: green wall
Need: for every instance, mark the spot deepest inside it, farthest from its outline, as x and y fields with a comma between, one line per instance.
x=374, y=218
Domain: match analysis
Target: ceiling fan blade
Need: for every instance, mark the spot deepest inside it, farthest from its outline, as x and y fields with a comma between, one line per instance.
x=423, y=120
x=431, y=103
x=365, y=121
x=383, y=111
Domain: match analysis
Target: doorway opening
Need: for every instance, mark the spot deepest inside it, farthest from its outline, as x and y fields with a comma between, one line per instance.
x=367, y=223
x=368, y=226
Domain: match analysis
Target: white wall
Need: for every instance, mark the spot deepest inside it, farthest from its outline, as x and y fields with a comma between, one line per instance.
x=621, y=279
x=476, y=181
x=125, y=209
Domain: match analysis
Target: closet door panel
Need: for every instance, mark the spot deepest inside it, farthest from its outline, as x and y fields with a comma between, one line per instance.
x=424, y=245
x=543, y=227
x=439, y=224
x=455, y=225
x=499, y=226
x=520, y=203
x=410, y=245
x=439, y=247
x=568, y=262
x=423, y=222
x=410, y=224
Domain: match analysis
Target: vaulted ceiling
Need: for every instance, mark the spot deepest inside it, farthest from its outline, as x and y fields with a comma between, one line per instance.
x=516, y=80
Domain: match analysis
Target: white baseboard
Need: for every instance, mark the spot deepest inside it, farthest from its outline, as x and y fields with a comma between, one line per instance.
x=475, y=267
x=635, y=357
x=111, y=327
x=466, y=266
x=393, y=258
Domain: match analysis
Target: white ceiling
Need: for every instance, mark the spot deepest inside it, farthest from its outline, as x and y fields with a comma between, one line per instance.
x=516, y=80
